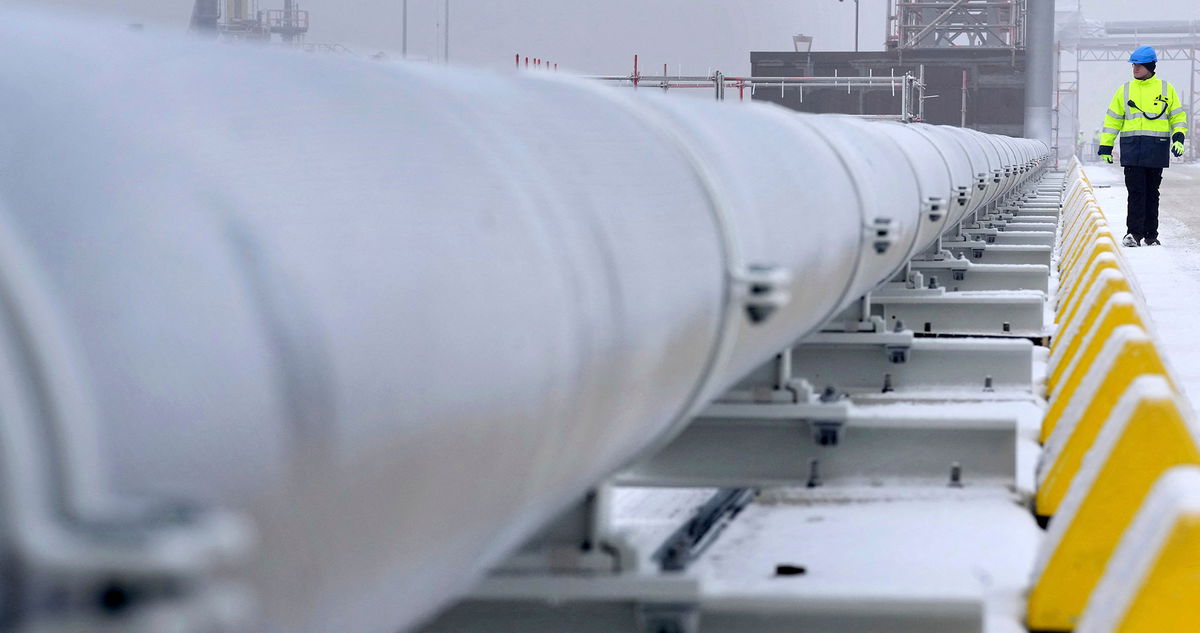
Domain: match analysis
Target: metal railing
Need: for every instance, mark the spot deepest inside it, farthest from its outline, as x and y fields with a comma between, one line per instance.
x=908, y=87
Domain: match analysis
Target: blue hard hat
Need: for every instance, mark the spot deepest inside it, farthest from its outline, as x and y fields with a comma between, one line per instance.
x=1143, y=55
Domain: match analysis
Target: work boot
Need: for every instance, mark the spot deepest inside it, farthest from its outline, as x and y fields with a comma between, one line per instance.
x=1130, y=241
x=1153, y=241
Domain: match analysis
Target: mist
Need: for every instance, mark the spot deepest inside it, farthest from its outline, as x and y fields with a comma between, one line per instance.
x=584, y=36
x=689, y=36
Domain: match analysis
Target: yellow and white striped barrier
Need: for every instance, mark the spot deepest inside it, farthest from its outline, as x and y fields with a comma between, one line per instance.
x=1153, y=581
x=1114, y=424
x=1111, y=310
x=1076, y=418
x=1148, y=433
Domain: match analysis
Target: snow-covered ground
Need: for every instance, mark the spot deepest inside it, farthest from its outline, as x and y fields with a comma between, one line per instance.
x=1169, y=275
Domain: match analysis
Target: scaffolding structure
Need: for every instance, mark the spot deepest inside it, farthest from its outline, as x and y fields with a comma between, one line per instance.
x=243, y=20
x=1087, y=41
x=955, y=24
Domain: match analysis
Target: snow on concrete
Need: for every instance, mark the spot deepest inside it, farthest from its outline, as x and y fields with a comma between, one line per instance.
x=1169, y=275
x=896, y=543
x=891, y=542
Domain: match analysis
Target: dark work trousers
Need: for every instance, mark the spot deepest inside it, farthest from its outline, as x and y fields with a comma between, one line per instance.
x=1142, y=219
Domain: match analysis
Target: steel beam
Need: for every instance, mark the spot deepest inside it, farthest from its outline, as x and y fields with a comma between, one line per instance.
x=1015, y=313
x=766, y=445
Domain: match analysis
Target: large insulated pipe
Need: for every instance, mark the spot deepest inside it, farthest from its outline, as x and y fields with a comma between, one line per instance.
x=1039, y=68
x=436, y=309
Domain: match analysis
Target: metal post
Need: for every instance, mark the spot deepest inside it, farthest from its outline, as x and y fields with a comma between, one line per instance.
x=904, y=96
x=1191, y=106
x=1039, y=69
x=855, y=26
x=964, y=101
x=404, y=30
x=719, y=84
x=921, y=93
x=289, y=25
x=446, y=39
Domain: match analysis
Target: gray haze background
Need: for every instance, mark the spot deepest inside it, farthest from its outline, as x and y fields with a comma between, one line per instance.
x=593, y=36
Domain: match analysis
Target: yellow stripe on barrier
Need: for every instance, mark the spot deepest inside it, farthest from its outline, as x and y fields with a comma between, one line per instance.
x=1077, y=256
x=1129, y=354
x=1153, y=581
x=1072, y=286
x=1098, y=323
x=1148, y=433
x=1077, y=219
x=1078, y=188
x=1107, y=280
x=1059, y=400
x=1076, y=200
x=1079, y=225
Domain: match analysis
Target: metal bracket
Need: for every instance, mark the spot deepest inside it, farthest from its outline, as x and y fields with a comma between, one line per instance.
x=83, y=557
x=935, y=209
x=765, y=290
x=964, y=195
x=579, y=541
x=880, y=233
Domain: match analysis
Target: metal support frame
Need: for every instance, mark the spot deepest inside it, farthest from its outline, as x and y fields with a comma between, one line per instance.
x=671, y=605
x=963, y=275
x=936, y=311
x=984, y=278
x=763, y=445
x=899, y=363
x=774, y=428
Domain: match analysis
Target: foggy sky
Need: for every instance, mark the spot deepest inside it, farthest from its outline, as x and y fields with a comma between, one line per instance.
x=593, y=36
x=601, y=36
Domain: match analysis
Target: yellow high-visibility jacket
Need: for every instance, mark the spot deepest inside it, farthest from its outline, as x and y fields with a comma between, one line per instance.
x=1147, y=126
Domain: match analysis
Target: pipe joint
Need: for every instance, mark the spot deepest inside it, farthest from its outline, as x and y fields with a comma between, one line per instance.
x=881, y=233
x=764, y=290
x=935, y=209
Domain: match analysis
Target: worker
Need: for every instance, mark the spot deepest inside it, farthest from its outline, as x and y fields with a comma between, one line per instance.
x=1152, y=124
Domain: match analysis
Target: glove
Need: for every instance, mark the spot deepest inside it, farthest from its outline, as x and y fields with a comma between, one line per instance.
x=1177, y=149
x=1107, y=158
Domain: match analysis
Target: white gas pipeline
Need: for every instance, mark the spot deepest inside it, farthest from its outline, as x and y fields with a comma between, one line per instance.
x=375, y=324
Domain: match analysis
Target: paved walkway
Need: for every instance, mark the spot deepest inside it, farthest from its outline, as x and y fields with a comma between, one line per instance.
x=1168, y=275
